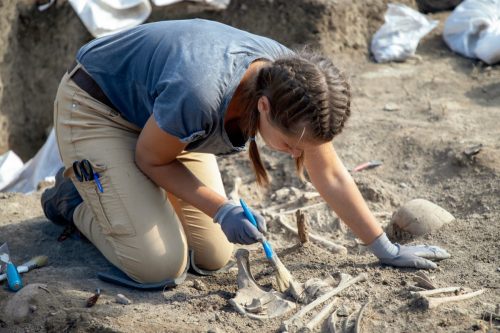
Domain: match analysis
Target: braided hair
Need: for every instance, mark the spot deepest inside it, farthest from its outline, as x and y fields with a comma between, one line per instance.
x=305, y=90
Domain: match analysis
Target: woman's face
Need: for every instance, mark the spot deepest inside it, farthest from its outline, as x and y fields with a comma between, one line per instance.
x=275, y=138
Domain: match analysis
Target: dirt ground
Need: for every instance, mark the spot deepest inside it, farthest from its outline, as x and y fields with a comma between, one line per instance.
x=418, y=118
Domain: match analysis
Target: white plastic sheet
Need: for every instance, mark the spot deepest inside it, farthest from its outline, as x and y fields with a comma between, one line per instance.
x=25, y=178
x=10, y=166
x=473, y=30
x=216, y=4
x=103, y=17
x=398, y=38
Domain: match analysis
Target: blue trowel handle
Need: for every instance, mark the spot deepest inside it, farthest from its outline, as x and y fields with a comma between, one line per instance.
x=251, y=218
x=13, y=278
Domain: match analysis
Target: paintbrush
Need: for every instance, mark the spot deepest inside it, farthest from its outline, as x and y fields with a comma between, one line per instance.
x=33, y=263
x=283, y=276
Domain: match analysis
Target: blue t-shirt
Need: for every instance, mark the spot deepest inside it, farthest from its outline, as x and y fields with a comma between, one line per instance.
x=183, y=72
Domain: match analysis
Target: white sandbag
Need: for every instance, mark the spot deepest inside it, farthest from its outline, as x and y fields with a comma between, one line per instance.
x=122, y=4
x=102, y=18
x=473, y=30
x=398, y=38
x=488, y=46
x=10, y=166
x=216, y=4
x=43, y=165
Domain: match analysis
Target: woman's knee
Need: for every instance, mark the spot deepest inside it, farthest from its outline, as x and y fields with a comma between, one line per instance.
x=214, y=255
x=150, y=266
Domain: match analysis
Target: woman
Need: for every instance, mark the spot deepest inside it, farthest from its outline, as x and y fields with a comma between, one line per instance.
x=149, y=107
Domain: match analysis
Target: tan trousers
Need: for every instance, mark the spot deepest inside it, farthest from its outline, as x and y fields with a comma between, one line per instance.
x=132, y=222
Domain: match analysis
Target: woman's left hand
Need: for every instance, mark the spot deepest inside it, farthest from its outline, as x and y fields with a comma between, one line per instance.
x=418, y=256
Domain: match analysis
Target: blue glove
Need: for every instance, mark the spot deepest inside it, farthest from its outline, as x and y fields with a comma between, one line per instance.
x=236, y=227
x=406, y=255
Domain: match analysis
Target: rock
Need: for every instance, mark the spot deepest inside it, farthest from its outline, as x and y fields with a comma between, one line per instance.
x=199, y=285
x=122, y=299
x=418, y=217
x=21, y=305
x=391, y=107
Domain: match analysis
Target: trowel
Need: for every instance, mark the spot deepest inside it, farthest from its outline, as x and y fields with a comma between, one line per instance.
x=14, y=281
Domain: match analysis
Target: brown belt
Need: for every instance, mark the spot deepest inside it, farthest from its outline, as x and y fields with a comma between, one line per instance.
x=87, y=83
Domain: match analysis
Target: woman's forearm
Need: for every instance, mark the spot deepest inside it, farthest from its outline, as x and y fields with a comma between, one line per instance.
x=338, y=189
x=343, y=196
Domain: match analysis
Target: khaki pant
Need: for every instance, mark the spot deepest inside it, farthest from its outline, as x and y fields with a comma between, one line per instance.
x=132, y=222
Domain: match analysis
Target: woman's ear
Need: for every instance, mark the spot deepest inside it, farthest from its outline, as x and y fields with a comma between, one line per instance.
x=263, y=105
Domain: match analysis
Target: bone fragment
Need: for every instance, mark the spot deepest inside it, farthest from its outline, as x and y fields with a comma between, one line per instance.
x=317, y=319
x=302, y=227
x=357, y=324
x=343, y=284
x=334, y=248
x=423, y=280
x=251, y=299
x=433, y=302
x=346, y=323
x=435, y=291
x=332, y=322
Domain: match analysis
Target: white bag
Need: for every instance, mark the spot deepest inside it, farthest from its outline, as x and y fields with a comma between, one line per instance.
x=473, y=30
x=104, y=17
x=44, y=165
x=398, y=38
x=216, y=4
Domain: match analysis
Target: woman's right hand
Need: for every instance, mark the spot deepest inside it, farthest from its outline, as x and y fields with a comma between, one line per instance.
x=236, y=227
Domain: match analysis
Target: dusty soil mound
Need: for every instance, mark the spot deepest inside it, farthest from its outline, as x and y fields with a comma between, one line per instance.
x=441, y=106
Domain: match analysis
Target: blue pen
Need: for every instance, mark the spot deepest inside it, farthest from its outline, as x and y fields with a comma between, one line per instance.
x=98, y=182
x=249, y=215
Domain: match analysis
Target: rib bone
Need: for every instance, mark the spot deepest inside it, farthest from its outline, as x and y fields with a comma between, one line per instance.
x=327, y=309
x=435, y=291
x=357, y=324
x=332, y=322
x=433, y=302
x=343, y=284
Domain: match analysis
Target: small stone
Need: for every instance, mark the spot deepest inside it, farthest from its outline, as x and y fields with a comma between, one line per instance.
x=391, y=107
x=122, y=299
x=33, y=308
x=198, y=285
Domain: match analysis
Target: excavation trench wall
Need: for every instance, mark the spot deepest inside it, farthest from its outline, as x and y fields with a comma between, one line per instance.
x=36, y=48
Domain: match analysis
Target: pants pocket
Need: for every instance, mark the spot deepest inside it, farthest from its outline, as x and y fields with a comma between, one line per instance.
x=104, y=203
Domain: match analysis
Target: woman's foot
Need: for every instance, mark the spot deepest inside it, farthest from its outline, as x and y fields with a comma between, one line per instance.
x=60, y=201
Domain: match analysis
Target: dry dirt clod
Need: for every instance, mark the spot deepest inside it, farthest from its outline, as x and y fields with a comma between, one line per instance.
x=199, y=285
